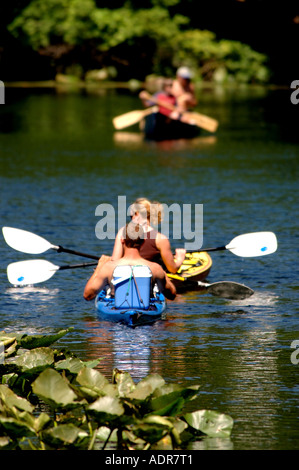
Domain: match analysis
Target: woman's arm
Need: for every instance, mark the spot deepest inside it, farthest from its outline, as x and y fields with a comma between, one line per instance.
x=163, y=245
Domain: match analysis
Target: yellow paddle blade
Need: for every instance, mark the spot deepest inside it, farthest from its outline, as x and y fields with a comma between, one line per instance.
x=201, y=120
x=132, y=117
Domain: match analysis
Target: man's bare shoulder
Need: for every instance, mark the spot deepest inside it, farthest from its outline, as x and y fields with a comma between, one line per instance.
x=156, y=269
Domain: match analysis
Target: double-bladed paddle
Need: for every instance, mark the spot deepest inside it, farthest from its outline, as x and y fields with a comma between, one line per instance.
x=23, y=273
x=198, y=119
x=246, y=245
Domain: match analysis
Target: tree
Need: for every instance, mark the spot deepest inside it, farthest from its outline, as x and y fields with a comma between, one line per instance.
x=137, y=40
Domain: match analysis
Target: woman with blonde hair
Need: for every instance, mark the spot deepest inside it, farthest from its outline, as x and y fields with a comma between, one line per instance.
x=156, y=246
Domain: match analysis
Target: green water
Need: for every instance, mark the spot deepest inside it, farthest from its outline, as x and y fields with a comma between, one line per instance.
x=60, y=158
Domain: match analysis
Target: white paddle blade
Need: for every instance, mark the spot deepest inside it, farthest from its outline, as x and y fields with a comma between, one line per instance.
x=253, y=244
x=24, y=241
x=24, y=273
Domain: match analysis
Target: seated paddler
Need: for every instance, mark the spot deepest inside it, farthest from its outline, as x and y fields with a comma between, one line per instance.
x=132, y=240
x=156, y=246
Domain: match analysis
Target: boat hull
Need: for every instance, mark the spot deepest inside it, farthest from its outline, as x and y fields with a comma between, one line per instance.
x=195, y=267
x=107, y=311
x=159, y=127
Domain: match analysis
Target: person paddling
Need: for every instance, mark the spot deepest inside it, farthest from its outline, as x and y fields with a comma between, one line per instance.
x=183, y=90
x=163, y=96
x=156, y=247
x=132, y=240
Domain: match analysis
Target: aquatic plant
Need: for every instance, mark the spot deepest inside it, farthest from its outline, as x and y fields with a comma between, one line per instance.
x=50, y=399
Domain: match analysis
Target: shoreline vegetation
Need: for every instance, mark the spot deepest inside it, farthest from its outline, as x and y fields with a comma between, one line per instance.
x=68, y=82
x=83, y=42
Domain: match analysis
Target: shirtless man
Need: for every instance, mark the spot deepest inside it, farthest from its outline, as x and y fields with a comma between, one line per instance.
x=183, y=89
x=132, y=241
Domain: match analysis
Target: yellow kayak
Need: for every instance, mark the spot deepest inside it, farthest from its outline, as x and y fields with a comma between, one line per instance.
x=195, y=267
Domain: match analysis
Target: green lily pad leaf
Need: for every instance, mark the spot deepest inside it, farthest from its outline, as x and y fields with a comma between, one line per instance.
x=104, y=432
x=53, y=389
x=36, y=360
x=209, y=422
x=41, y=422
x=64, y=435
x=7, y=339
x=15, y=428
x=92, y=385
x=11, y=399
x=106, y=409
x=146, y=387
x=171, y=409
x=170, y=399
x=6, y=443
x=124, y=382
x=152, y=429
x=74, y=365
x=91, y=378
x=37, y=341
x=159, y=420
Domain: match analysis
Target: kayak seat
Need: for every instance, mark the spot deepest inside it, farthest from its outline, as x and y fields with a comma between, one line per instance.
x=132, y=286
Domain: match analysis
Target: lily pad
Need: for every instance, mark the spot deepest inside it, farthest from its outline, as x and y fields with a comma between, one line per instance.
x=209, y=422
x=146, y=387
x=10, y=399
x=37, y=341
x=36, y=360
x=106, y=409
x=65, y=435
x=53, y=388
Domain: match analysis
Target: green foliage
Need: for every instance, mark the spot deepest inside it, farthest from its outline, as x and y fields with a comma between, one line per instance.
x=129, y=32
x=221, y=61
x=82, y=410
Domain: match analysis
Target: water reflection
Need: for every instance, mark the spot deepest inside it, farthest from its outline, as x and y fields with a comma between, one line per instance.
x=131, y=140
x=32, y=293
x=258, y=299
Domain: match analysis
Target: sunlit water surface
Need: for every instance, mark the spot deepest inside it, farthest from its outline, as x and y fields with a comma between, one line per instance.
x=60, y=158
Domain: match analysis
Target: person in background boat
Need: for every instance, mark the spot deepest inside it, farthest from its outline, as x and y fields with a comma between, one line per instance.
x=165, y=95
x=156, y=246
x=132, y=240
x=183, y=90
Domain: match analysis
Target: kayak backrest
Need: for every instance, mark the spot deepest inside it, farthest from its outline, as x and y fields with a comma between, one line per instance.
x=132, y=286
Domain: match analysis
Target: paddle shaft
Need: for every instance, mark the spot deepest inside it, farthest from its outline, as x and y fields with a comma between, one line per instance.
x=219, y=248
x=71, y=266
x=60, y=249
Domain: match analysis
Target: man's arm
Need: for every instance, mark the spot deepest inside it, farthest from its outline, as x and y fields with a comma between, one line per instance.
x=98, y=280
x=164, y=283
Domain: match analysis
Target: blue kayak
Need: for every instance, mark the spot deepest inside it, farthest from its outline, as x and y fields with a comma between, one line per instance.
x=131, y=316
